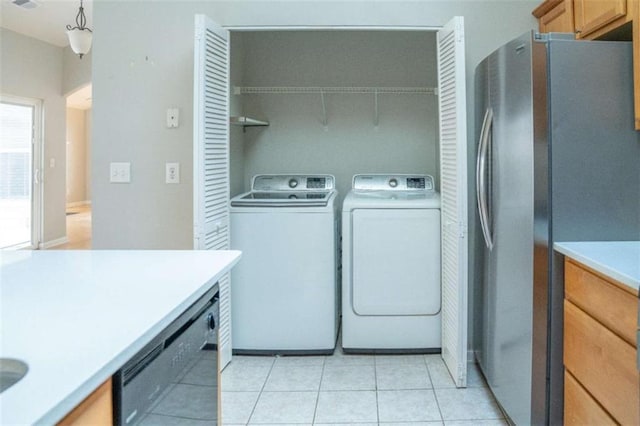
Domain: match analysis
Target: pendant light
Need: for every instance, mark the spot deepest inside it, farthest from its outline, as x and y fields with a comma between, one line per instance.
x=80, y=36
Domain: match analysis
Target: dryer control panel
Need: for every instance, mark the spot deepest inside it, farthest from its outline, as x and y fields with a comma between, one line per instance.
x=378, y=182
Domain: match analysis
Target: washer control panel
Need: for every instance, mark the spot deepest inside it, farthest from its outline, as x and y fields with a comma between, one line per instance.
x=378, y=182
x=289, y=182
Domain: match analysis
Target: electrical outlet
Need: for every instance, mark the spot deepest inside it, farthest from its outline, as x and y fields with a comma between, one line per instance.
x=120, y=172
x=173, y=117
x=172, y=173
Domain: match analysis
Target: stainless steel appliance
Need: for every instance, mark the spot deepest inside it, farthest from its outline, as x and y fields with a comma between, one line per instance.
x=558, y=160
x=147, y=387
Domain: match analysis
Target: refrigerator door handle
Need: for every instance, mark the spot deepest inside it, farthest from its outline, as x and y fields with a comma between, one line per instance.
x=481, y=181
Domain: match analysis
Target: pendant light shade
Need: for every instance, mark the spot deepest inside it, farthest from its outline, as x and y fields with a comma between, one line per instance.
x=80, y=36
x=80, y=41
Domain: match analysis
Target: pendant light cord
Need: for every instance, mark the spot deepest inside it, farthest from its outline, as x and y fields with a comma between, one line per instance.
x=81, y=21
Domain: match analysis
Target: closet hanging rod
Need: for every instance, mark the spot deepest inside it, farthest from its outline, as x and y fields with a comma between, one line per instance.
x=238, y=90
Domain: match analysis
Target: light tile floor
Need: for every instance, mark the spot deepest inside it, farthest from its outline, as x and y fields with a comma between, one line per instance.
x=358, y=390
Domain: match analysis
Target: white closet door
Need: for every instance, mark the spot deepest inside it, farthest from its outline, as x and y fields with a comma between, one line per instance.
x=453, y=187
x=211, y=157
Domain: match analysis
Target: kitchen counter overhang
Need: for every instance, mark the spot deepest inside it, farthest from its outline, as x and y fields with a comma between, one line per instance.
x=619, y=260
x=75, y=317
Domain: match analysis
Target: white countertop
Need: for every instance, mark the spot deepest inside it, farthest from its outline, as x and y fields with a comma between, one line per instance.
x=75, y=317
x=619, y=260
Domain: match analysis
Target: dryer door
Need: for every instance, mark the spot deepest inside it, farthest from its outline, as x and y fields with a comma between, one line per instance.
x=396, y=261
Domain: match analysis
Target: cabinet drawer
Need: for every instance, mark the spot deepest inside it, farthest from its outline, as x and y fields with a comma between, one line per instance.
x=614, y=307
x=603, y=363
x=580, y=408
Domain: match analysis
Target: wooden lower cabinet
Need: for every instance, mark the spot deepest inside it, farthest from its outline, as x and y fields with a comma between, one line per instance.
x=580, y=408
x=95, y=410
x=601, y=373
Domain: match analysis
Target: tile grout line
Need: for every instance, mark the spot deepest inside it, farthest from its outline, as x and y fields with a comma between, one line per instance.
x=253, y=410
x=375, y=386
x=433, y=389
x=315, y=410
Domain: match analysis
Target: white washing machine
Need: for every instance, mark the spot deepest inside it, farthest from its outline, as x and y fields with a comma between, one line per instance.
x=284, y=291
x=391, y=290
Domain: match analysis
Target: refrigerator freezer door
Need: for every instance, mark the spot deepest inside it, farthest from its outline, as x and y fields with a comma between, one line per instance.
x=511, y=259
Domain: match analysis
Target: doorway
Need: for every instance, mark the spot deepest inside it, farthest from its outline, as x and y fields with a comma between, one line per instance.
x=78, y=169
x=20, y=171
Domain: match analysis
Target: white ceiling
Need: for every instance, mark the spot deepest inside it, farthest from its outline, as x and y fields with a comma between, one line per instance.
x=47, y=22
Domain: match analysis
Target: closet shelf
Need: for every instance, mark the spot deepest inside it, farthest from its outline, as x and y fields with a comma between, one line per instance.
x=247, y=122
x=241, y=90
x=322, y=91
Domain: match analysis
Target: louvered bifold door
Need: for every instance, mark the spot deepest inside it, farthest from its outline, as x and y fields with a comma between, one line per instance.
x=453, y=188
x=211, y=157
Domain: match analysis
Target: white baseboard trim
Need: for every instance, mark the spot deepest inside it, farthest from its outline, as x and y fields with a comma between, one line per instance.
x=79, y=203
x=48, y=244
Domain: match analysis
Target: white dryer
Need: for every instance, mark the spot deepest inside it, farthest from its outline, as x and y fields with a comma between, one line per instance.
x=391, y=289
x=284, y=292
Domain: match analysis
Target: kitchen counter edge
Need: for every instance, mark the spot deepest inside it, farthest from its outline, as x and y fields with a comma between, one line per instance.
x=619, y=260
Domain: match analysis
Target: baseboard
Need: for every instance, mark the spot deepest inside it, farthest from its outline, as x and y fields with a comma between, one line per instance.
x=53, y=243
x=79, y=203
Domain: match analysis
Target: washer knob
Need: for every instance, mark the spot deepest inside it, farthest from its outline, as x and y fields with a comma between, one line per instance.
x=293, y=183
x=393, y=182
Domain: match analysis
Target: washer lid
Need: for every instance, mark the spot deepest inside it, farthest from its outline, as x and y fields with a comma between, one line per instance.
x=282, y=199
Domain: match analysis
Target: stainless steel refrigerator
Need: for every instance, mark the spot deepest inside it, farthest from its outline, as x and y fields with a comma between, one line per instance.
x=558, y=160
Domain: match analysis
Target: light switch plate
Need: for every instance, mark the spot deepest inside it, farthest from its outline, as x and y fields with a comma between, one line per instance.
x=120, y=172
x=172, y=173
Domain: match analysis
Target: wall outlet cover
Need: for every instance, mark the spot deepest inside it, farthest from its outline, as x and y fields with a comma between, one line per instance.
x=172, y=173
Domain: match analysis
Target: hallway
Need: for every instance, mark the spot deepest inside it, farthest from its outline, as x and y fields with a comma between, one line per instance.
x=78, y=229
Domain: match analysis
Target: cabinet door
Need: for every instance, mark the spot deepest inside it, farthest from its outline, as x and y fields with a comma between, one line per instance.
x=591, y=15
x=95, y=410
x=603, y=363
x=559, y=19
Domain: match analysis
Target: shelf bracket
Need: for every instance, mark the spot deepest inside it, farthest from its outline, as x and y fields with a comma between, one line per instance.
x=376, y=115
x=324, y=109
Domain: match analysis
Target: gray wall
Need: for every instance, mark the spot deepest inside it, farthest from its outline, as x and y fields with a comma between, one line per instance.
x=76, y=72
x=77, y=158
x=405, y=139
x=236, y=108
x=33, y=69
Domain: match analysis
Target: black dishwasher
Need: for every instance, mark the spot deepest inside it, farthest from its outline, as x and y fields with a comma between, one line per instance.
x=174, y=377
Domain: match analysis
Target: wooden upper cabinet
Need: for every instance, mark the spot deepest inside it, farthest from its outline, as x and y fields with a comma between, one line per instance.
x=592, y=15
x=555, y=16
